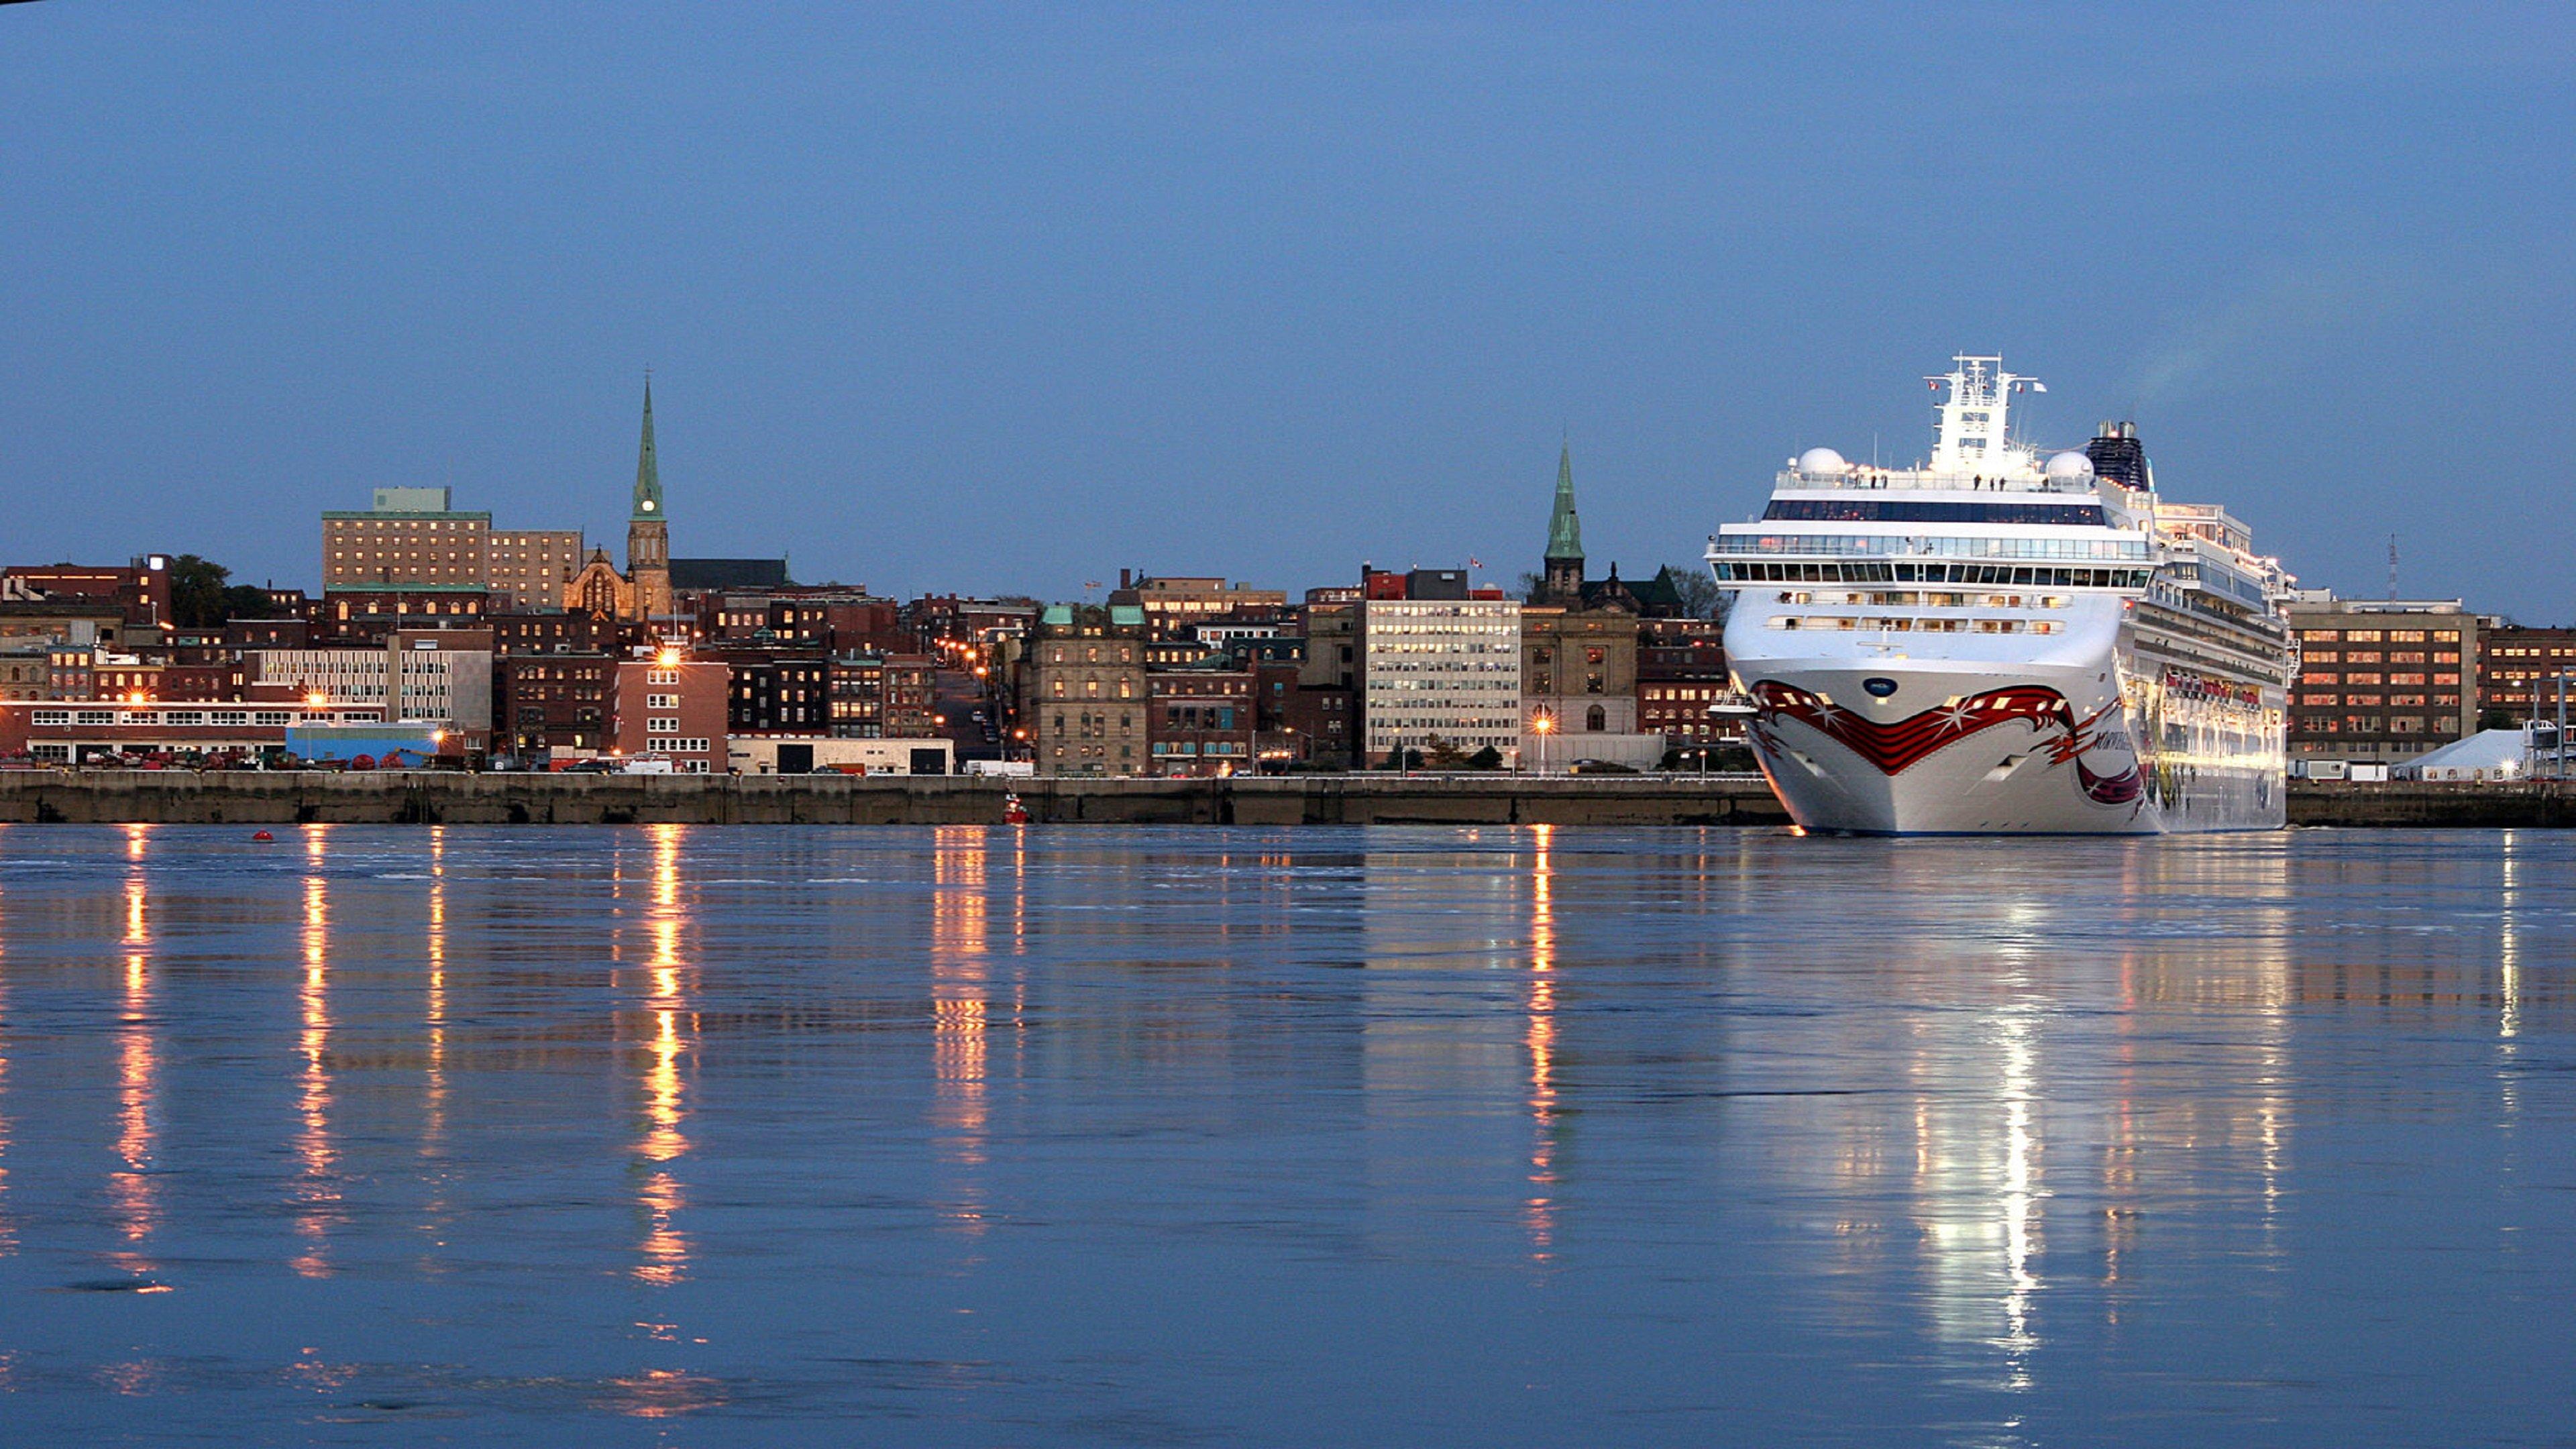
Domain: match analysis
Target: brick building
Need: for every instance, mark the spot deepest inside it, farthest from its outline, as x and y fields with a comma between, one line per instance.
x=777, y=691
x=365, y=614
x=673, y=706
x=140, y=590
x=1681, y=672
x=2518, y=671
x=548, y=702
x=561, y=632
x=2382, y=680
x=1200, y=720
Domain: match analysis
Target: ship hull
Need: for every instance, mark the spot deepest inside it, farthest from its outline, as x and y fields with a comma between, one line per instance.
x=1903, y=747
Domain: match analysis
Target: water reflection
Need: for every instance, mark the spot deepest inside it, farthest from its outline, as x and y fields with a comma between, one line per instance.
x=664, y=1255
x=315, y=1198
x=8, y=1230
x=132, y=1189
x=1539, y=1213
x=959, y=1044
x=1950, y=1138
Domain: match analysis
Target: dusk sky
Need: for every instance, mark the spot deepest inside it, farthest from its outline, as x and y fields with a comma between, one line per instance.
x=1002, y=299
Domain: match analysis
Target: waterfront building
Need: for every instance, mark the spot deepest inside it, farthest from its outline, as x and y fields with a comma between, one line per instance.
x=911, y=696
x=673, y=705
x=1681, y=673
x=1201, y=720
x=858, y=690
x=2518, y=670
x=552, y=701
x=438, y=676
x=807, y=754
x=891, y=696
x=1084, y=695
x=776, y=690
x=1444, y=669
x=70, y=732
x=2381, y=679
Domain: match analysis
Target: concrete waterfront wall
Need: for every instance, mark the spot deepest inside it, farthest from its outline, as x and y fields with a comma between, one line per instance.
x=178, y=797
x=183, y=797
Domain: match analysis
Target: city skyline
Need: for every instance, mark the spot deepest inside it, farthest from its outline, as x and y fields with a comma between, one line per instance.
x=1266, y=295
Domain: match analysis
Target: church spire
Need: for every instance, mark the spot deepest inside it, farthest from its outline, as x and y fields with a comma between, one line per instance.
x=1564, y=529
x=1562, y=583
x=648, y=473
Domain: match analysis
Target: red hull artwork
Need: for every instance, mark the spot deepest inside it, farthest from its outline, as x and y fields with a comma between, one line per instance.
x=1892, y=748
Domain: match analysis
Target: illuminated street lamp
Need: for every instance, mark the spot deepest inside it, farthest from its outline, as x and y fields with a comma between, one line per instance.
x=1543, y=726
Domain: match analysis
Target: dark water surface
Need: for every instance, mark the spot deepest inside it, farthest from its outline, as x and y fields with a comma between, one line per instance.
x=1388, y=1136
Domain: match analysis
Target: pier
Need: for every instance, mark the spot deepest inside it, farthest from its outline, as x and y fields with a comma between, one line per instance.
x=184, y=797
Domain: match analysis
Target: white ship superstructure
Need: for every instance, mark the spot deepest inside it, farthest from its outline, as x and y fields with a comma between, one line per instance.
x=1994, y=640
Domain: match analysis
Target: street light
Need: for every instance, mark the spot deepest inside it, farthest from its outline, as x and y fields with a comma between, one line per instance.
x=1543, y=726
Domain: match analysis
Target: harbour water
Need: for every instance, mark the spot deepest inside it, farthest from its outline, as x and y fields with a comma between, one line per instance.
x=1372, y=1136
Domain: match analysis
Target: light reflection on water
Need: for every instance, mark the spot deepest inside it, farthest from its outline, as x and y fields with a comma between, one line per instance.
x=1282, y=1136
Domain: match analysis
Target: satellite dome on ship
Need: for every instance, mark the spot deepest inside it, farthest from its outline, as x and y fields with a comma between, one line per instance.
x=1821, y=463
x=2070, y=464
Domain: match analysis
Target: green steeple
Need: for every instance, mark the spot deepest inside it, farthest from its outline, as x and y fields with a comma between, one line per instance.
x=648, y=474
x=1564, y=529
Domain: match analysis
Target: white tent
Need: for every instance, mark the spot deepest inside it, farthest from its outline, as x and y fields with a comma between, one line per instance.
x=2486, y=755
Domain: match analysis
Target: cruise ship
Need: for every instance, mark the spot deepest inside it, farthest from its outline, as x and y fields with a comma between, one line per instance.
x=2003, y=640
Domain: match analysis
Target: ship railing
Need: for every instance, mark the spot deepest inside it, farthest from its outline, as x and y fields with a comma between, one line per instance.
x=1872, y=479
x=1768, y=545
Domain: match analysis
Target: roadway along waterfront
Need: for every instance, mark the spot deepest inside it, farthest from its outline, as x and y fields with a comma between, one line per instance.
x=183, y=797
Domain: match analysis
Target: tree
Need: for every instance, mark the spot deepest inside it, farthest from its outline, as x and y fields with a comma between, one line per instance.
x=1700, y=595
x=1443, y=754
x=197, y=592
x=1530, y=585
x=1402, y=758
x=200, y=597
x=1487, y=758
